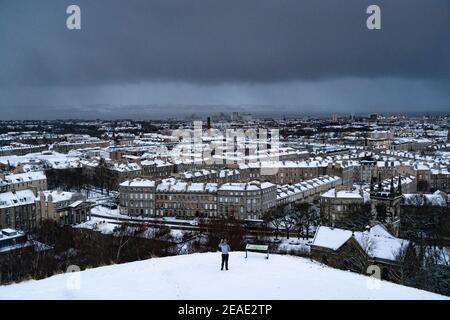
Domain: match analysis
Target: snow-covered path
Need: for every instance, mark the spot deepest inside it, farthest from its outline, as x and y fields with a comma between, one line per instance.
x=197, y=276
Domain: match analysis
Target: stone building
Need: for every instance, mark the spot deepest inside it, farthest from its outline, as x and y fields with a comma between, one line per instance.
x=246, y=200
x=36, y=181
x=366, y=171
x=19, y=149
x=385, y=206
x=408, y=184
x=137, y=197
x=432, y=177
x=344, y=207
x=157, y=169
x=18, y=210
x=109, y=174
x=175, y=198
x=373, y=250
x=184, y=199
x=65, y=208
x=215, y=176
x=306, y=191
x=291, y=172
x=65, y=146
x=439, y=180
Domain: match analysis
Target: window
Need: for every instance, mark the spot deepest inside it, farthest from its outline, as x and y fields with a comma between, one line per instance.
x=385, y=274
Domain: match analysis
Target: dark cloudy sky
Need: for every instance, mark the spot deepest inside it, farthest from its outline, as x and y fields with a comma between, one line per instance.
x=158, y=58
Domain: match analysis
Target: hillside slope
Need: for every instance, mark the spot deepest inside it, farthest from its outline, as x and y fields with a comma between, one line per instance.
x=198, y=276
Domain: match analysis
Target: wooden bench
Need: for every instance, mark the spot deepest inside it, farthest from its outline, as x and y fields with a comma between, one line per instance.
x=257, y=248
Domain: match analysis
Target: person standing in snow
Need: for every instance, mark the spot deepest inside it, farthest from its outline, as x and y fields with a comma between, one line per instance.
x=225, y=249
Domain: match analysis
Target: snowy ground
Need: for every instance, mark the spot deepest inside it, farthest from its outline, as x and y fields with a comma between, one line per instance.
x=107, y=213
x=292, y=245
x=53, y=157
x=115, y=214
x=107, y=226
x=197, y=276
x=102, y=225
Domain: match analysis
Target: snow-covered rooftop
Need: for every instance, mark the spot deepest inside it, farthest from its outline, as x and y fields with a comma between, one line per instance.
x=138, y=182
x=23, y=177
x=16, y=198
x=173, y=185
x=57, y=195
x=377, y=242
x=347, y=194
x=244, y=186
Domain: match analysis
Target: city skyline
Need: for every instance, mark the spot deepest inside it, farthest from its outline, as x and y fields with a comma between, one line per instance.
x=172, y=57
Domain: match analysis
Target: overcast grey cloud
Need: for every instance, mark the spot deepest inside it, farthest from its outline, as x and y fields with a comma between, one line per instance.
x=292, y=53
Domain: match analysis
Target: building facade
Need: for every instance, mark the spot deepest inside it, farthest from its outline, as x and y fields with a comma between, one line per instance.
x=137, y=197
x=65, y=208
x=175, y=198
x=246, y=200
x=18, y=210
x=36, y=181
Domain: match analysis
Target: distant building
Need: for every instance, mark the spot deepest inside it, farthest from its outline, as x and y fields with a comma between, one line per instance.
x=36, y=181
x=137, y=197
x=283, y=172
x=156, y=169
x=305, y=191
x=385, y=206
x=21, y=149
x=25, y=203
x=18, y=210
x=341, y=206
x=246, y=200
x=109, y=174
x=175, y=198
x=65, y=208
x=64, y=147
x=214, y=176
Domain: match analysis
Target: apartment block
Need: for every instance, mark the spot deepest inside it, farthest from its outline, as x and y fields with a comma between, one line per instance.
x=36, y=181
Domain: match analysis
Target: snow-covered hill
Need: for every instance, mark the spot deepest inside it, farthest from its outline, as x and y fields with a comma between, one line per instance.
x=198, y=276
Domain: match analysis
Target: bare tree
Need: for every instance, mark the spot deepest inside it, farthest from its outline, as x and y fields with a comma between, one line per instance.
x=306, y=216
x=288, y=222
x=405, y=266
x=274, y=218
x=126, y=232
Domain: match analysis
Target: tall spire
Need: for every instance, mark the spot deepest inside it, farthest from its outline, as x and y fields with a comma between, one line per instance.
x=380, y=186
x=392, y=191
x=399, y=188
x=371, y=184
